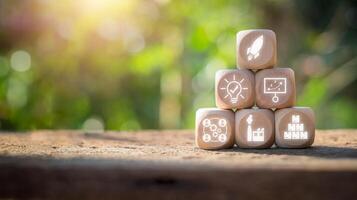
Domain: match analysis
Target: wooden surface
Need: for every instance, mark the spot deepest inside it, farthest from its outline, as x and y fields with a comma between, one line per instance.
x=167, y=165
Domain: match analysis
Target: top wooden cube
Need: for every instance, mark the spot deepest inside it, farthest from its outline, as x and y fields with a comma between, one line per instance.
x=256, y=49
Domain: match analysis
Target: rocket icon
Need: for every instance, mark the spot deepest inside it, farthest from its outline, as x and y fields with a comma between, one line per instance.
x=254, y=50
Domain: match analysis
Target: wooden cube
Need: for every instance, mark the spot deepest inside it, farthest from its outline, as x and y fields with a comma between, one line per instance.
x=256, y=49
x=275, y=88
x=214, y=128
x=294, y=127
x=254, y=128
x=234, y=89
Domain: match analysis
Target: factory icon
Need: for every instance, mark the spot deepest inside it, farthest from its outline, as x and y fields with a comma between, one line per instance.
x=254, y=135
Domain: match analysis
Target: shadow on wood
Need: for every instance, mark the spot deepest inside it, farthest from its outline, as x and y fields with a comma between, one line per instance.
x=315, y=151
x=126, y=179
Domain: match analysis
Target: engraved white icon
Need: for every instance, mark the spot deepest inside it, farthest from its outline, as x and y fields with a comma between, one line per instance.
x=275, y=86
x=295, y=130
x=214, y=130
x=254, y=136
x=234, y=89
x=253, y=51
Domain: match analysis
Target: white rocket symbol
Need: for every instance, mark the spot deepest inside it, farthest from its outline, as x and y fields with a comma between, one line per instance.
x=254, y=49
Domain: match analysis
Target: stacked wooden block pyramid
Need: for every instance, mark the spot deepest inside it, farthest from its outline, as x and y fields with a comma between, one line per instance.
x=255, y=103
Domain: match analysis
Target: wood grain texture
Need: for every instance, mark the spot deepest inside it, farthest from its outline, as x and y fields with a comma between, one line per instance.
x=167, y=165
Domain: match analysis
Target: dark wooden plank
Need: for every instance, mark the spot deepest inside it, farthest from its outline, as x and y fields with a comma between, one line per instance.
x=97, y=179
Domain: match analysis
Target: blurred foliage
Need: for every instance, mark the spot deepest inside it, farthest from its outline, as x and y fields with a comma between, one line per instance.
x=148, y=64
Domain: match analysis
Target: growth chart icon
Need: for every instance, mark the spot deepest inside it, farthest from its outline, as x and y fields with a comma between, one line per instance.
x=275, y=86
x=214, y=130
x=234, y=89
x=253, y=51
x=254, y=136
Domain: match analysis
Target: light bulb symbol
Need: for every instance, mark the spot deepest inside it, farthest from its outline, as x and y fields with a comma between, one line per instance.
x=234, y=89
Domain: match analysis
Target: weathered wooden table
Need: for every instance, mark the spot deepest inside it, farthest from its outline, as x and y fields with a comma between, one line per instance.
x=166, y=165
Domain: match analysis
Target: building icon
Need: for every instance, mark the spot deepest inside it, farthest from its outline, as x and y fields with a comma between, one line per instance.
x=254, y=136
x=295, y=130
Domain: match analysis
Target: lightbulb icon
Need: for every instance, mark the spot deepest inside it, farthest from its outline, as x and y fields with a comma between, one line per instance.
x=234, y=89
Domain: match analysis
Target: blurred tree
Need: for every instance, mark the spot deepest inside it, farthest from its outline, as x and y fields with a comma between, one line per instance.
x=148, y=64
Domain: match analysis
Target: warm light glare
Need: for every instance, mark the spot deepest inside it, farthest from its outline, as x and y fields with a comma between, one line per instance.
x=93, y=124
x=95, y=7
x=16, y=94
x=20, y=61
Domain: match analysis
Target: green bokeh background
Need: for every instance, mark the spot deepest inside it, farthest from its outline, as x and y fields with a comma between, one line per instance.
x=146, y=64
